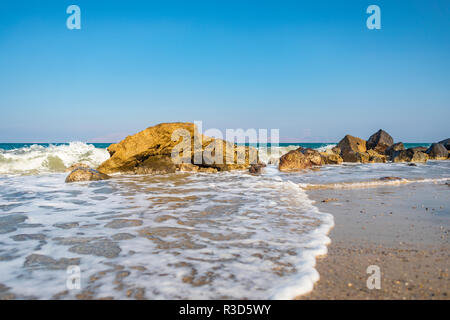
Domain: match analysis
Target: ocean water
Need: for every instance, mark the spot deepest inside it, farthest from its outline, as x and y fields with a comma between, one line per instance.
x=178, y=236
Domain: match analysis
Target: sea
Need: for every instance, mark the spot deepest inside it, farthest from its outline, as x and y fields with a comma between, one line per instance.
x=230, y=235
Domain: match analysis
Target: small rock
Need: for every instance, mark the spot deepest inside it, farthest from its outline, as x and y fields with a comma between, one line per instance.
x=86, y=174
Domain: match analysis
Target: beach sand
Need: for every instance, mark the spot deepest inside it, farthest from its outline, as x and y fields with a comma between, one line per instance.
x=402, y=229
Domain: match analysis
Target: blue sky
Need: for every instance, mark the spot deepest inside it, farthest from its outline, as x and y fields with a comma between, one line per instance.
x=309, y=68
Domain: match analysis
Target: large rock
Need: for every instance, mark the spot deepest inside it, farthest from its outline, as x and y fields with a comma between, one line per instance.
x=409, y=156
x=437, y=151
x=350, y=143
x=394, y=148
x=150, y=151
x=445, y=143
x=299, y=159
x=330, y=157
x=352, y=156
x=353, y=149
x=380, y=141
x=86, y=174
x=375, y=157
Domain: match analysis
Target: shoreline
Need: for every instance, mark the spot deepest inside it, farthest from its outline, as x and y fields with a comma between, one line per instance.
x=401, y=229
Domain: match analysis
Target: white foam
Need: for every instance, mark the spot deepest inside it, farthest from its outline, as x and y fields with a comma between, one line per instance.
x=258, y=236
x=37, y=159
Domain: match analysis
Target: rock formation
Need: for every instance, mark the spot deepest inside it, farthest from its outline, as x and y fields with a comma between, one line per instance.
x=380, y=141
x=299, y=159
x=150, y=151
x=437, y=151
x=409, y=155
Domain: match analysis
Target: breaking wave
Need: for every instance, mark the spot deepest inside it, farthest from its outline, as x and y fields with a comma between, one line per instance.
x=38, y=159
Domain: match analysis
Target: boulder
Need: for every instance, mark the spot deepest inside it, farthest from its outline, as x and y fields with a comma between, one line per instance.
x=331, y=158
x=380, y=141
x=298, y=159
x=421, y=149
x=77, y=165
x=312, y=155
x=86, y=174
x=150, y=151
x=409, y=156
x=394, y=148
x=352, y=149
x=445, y=143
x=350, y=143
x=352, y=156
x=437, y=151
x=375, y=157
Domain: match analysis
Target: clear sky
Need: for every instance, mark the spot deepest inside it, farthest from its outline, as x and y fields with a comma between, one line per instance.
x=309, y=68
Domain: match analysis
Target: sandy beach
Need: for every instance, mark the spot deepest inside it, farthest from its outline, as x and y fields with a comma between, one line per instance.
x=402, y=229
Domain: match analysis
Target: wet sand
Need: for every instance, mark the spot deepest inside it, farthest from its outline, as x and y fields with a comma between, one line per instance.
x=402, y=229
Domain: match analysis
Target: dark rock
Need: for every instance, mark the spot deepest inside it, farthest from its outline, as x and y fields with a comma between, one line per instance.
x=409, y=156
x=380, y=141
x=421, y=149
x=390, y=178
x=394, y=148
x=352, y=156
x=437, y=151
x=445, y=143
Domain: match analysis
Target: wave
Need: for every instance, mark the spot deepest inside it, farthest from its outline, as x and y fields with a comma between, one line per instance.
x=370, y=183
x=38, y=159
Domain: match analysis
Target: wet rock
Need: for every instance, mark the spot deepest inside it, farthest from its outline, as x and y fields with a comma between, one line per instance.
x=351, y=156
x=390, y=178
x=437, y=151
x=395, y=147
x=375, y=157
x=330, y=157
x=208, y=170
x=445, y=143
x=86, y=174
x=313, y=156
x=329, y=200
x=160, y=164
x=293, y=160
x=38, y=261
x=76, y=166
x=380, y=141
x=123, y=223
x=104, y=248
x=187, y=167
x=421, y=149
x=409, y=156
